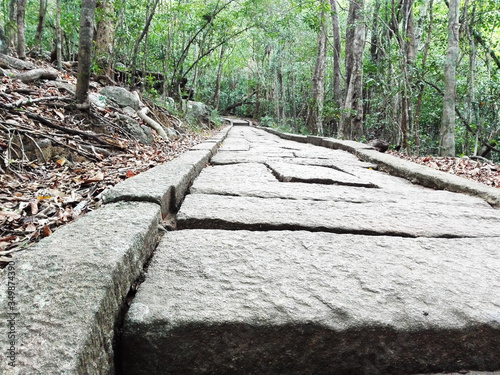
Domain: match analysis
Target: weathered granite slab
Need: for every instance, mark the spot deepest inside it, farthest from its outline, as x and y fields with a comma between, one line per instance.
x=235, y=145
x=165, y=185
x=334, y=193
x=245, y=174
x=407, y=219
x=69, y=290
x=234, y=157
x=223, y=302
x=287, y=172
x=339, y=162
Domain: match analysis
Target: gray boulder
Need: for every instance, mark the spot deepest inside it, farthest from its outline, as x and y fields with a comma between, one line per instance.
x=198, y=110
x=121, y=96
x=142, y=133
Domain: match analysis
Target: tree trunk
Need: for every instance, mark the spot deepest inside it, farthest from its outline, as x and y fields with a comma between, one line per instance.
x=87, y=22
x=58, y=35
x=216, y=98
x=447, y=133
x=149, y=18
x=21, y=42
x=41, y=23
x=3, y=41
x=337, y=56
x=105, y=36
x=421, y=86
x=351, y=124
x=408, y=44
x=314, y=120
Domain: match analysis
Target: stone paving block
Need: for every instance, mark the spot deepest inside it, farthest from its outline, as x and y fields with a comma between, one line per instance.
x=407, y=219
x=234, y=157
x=211, y=146
x=70, y=288
x=165, y=184
x=286, y=172
x=244, y=173
x=225, y=302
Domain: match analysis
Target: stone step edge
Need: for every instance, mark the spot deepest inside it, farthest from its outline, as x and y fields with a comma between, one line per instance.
x=167, y=184
x=62, y=299
x=416, y=173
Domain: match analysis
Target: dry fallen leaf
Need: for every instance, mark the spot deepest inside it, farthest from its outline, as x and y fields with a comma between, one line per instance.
x=46, y=231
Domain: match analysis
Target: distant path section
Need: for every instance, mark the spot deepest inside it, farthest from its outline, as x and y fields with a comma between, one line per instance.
x=291, y=258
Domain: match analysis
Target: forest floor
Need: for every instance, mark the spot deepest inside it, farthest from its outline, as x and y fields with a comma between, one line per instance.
x=40, y=193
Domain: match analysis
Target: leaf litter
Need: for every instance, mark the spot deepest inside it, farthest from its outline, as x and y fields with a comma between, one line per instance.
x=40, y=194
x=480, y=171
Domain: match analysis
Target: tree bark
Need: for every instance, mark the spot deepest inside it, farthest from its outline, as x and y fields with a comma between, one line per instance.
x=447, y=133
x=314, y=120
x=105, y=36
x=351, y=124
x=216, y=98
x=139, y=40
x=3, y=41
x=58, y=36
x=21, y=42
x=41, y=23
x=337, y=56
x=87, y=21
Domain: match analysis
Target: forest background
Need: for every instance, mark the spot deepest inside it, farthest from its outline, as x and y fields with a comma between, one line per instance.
x=421, y=74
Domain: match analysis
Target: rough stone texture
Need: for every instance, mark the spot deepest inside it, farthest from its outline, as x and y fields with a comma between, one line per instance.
x=165, y=185
x=410, y=219
x=121, y=96
x=286, y=172
x=69, y=291
x=140, y=132
x=255, y=180
x=223, y=302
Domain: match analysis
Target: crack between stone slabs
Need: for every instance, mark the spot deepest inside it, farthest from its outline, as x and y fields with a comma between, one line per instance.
x=228, y=194
x=220, y=224
x=118, y=327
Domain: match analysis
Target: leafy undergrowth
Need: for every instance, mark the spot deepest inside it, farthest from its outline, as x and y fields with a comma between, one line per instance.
x=37, y=196
x=476, y=170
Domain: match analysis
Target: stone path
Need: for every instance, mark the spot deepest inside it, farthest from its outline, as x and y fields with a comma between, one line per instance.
x=291, y=258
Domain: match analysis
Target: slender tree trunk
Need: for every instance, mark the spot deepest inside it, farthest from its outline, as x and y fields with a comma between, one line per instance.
x=216, y=98
x=337, y=56
x=41, y=23
x=21, y=27
x=421, y=87
x=351, y=124
x=315, y=111
x=447, y=133
x=87, y=22
x=139, y=40
x=58, y=35
x=4, y=44
x=105, y=36
x=408, y=62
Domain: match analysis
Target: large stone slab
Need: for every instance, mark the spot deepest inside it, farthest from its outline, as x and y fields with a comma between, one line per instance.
x=165, y=185
x=407, y=219
x=286, y=172
x=225, y=302
x=69, y=289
